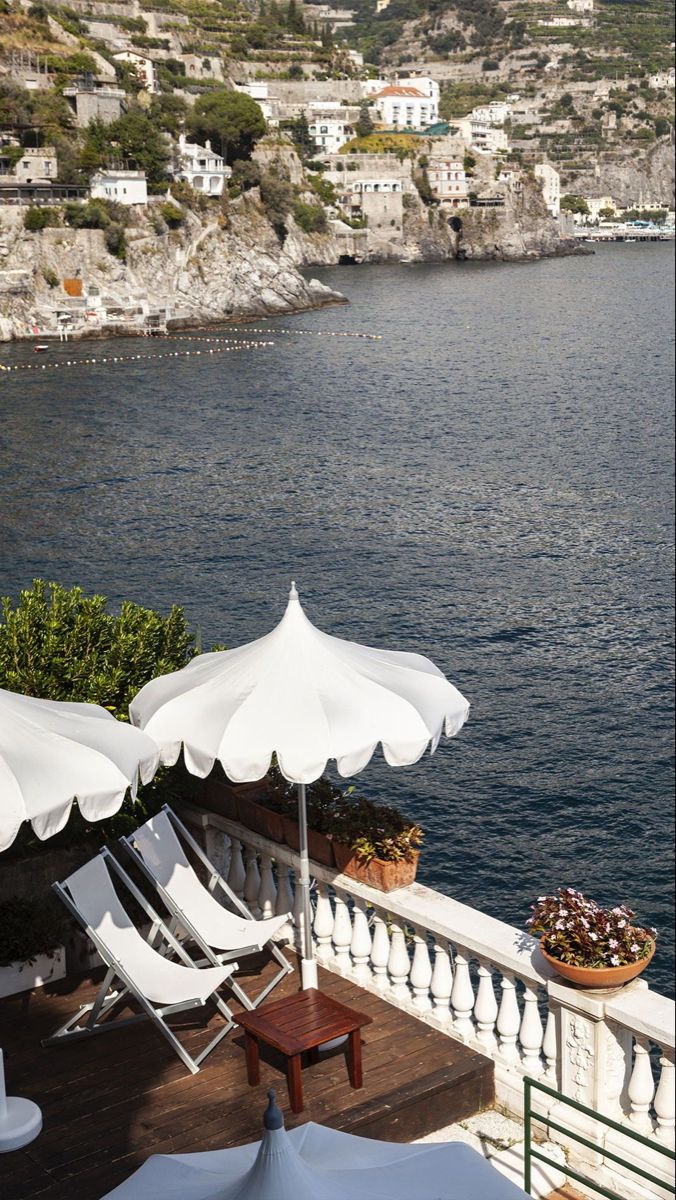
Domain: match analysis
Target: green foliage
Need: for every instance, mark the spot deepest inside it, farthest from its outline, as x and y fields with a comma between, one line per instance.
x=62, y=644
x=277, y=198
x=469, y=163
x=364, y=125
x=575, y=204
x=171, y=214
x=324, y=189
x=246, y=174
x=115, y=241
x=50, y=277
x=139, y=141
x=168, y=112
x=40, y=218
x=231, y=120
x=300, y=135
x=90, y=215
x=28, y=928
x=310, y=217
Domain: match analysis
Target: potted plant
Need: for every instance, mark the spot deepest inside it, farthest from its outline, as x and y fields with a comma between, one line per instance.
x=323, y=802
x=377, y=845
x=591, y=946
x=32, y=953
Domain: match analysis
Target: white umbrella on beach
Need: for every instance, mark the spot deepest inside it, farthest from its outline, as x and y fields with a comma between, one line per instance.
x=53, y=752
x=306, y=697
x=315, y=1163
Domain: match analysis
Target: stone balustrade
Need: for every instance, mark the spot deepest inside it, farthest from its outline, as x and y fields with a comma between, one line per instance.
x=481, y=981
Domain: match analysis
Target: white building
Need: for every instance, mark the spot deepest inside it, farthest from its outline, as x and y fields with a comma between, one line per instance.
x=143, y=66
x=581, y=6
x=260, y=92
x=495, y=113
x=481, y=135
x=404, y=108
x=551, y=187
x=596, y=205
x=662, y=79
x=329, y=132
x=125, y=187
x=203, y=169
x=448, y=180
x=34, y=165
x=422, y=83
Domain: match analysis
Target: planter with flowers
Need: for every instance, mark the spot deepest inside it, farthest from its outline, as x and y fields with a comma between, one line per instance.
x=376, y=844
x=590, y=946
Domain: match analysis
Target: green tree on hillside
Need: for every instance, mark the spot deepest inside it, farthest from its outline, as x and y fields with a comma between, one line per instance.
x=364, y=125
x=232, y=121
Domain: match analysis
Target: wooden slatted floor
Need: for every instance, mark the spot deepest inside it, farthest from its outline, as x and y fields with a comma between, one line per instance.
x=110, y=1101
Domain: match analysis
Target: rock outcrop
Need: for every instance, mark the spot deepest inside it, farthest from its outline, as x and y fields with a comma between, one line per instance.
x=213, y=268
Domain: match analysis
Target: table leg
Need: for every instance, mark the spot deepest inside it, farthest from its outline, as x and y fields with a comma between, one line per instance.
x=313, y=1054
x=354, y=1059
x=295, y=1085
x=252, y=1061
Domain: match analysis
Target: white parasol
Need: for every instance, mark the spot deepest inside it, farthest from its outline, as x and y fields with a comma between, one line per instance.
x=306, y=697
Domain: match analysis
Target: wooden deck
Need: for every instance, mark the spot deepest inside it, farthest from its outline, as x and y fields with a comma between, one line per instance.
x=109, y=1102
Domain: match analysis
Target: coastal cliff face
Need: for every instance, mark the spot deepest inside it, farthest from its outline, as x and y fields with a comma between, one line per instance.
x=211, y=269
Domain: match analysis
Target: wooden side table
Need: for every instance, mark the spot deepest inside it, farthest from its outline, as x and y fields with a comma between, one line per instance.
x=298, y=1024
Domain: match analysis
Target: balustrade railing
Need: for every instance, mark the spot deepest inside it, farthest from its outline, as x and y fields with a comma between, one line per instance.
x=473, y=977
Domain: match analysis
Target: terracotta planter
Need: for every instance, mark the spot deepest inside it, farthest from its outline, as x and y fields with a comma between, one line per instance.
x=385, y=876
x=598, y=977
x=320, y=848
x=261, y=819
x=223, y=797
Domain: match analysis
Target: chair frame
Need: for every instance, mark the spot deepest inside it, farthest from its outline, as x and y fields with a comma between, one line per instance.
x=106, y=998
x=180, y=920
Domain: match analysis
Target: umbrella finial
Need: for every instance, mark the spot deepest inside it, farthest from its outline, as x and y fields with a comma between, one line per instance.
x=272, y=1117
x=293, y=594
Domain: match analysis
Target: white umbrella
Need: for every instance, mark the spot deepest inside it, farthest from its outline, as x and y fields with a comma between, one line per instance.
x=307, y=697
x=315, y=1163
x=53, y=752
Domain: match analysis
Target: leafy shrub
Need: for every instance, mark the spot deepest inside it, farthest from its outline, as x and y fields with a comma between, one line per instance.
x=490, y=64
x=115, y=240
x=277, y=198
x=324, y=189
x=246, y=174
x=92, y=215
x=29, y=928
x=40, y=218
x=50, y=277
x=310, y=217
x=171, y=214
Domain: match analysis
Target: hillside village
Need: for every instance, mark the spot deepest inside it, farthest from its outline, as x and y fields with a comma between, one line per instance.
x=383, y=131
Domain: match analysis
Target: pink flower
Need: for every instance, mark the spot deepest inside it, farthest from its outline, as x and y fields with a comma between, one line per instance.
x=615, y=960
x=621, y=924
x=635, y=948
x=594, y=937
x=613, y=943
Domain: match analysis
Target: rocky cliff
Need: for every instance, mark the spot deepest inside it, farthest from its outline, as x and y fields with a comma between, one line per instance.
x=211, y=269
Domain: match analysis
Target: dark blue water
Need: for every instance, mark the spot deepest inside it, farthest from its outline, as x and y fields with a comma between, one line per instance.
x=490, y=484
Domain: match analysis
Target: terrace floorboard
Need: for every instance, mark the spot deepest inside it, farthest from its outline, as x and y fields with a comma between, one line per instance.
x=111, y=1101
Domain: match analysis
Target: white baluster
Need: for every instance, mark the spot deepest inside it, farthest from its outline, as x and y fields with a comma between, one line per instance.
x=509, y=1022
x=323, y=924
x=398, y=966
x=342, y=935
x=442, y=983
x=267, y=896
x=360, y=946
x=550, y=1051
x=252, y=883
x=236, y=871
x=214, y=848
x=421, y=972
x=531, y=1034
x=462, y=997
x=284, y=903
x=380, y=953
x=665, y=1108
x=486, y=1011
x=641, y=1087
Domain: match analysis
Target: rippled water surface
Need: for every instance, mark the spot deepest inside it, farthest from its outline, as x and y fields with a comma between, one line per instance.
x=490, y=484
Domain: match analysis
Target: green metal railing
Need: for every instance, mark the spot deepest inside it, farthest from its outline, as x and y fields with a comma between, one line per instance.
x=531, y=1153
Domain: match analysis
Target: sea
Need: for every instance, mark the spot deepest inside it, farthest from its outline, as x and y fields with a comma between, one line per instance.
x=486, y=478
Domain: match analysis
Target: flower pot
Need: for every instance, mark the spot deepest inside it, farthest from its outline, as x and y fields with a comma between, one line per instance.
x=320, y=848
x=384, y=876
x=223, y=797
x=598, y=977
x=261, y=819
x=22, y=976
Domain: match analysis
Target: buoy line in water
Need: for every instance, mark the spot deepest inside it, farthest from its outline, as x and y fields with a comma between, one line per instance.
x=231, y=348
x=223, y=345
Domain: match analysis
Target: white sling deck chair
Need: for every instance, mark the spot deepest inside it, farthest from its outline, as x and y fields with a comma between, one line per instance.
x=136, y=969
x=220, y=934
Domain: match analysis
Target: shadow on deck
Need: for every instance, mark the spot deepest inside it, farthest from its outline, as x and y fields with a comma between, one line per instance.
x=110, y=1102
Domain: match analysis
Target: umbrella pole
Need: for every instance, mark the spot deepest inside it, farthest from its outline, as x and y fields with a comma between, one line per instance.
x=308, y=967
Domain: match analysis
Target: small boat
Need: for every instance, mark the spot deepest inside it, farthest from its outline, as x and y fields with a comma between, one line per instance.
x=41, y=347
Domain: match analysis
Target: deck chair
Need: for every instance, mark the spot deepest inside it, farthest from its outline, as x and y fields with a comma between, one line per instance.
x=221, y=935
x=137, y=969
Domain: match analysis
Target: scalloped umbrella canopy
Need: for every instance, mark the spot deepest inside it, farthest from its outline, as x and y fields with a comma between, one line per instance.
x=304, y=695
x=54, y=752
